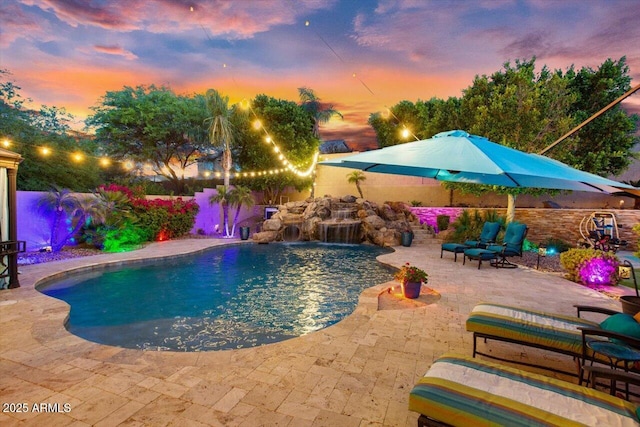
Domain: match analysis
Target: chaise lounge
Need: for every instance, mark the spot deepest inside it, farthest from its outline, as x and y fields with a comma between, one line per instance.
x=552, y=332
x=497, y=254
x=488, y=236
x=462, y=391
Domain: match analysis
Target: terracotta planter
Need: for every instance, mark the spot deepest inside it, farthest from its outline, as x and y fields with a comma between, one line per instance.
x=411, y=289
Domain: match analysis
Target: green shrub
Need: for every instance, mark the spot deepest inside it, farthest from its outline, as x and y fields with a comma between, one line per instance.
x=415, y=203
x=443, y=222
x=574, y=260
x=529, y=246
x=636, y=228
x=558, y=245
x=123, y=239
x=468, y=226
x=151, y=221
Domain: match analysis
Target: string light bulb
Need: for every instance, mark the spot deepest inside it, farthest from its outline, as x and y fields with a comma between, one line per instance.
x=405, y=132
x=78, y=157
x=6, y=143
x=45, y=151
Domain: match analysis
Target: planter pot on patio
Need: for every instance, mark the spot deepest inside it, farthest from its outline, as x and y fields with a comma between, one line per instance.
x=407, y=238
x=411, y=289
x=244, y=233
x=630, y=304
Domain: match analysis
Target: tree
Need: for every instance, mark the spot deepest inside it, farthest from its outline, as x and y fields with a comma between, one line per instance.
x=222, y=197
x=29, y=131
x=152, y=125
x=604, y=145
x=319, y=112
x=63, y=204
x=519, y=108
x=221, y=130
x=239, y=197
x=528, y=110
x=356, y=177
x=291, y=129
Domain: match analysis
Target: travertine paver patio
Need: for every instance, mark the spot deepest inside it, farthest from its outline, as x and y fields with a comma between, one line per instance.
x=356, y=373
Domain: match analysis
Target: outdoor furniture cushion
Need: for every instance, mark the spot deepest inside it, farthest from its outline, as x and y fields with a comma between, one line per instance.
x=456, y=248
x=622, y=323
x=513, y=324
x=479, y=254
x=462, y=391
x=488, y=235
x=513, y=239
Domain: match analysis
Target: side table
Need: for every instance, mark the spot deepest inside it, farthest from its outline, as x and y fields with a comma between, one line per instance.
x=619, y=355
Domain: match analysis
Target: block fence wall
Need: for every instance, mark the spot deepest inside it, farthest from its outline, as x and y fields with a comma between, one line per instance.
x=550, y=223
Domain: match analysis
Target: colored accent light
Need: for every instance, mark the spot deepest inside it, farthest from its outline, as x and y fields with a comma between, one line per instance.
x=599, y=272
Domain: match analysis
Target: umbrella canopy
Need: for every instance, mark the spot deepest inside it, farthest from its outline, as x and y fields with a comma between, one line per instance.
x=457, y=156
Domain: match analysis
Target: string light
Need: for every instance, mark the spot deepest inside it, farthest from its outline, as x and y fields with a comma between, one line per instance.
x=6, y=143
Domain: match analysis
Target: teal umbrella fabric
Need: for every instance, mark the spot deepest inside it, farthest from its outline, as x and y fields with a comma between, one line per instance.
x=457, y=156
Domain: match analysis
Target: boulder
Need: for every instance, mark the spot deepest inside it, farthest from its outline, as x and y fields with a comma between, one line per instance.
x=265, y=236
x=374, y=221
x=386, y=238
x=273, y=224
x=310, y=228
x=387, y=213
x=348, y=199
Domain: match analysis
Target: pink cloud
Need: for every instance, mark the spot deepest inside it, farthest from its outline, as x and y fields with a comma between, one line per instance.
x=15, y=24
x=116, y=50
x=234, y=19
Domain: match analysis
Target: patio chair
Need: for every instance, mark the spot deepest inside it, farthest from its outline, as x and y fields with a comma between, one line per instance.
x=461, y=391
x=488, y=236
x=497, y=254
x=557, y=333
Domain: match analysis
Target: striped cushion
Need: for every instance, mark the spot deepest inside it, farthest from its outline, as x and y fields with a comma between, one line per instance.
x=529, y=326
x=463, y=391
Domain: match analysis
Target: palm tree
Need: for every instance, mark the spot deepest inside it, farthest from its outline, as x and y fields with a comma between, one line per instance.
x=66, y=205
x=221, y=133
x=311, y=104
x=222, y=197
x=238, y=197
x=356, y=177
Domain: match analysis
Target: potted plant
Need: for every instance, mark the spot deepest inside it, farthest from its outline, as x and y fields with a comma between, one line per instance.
x=411, y=278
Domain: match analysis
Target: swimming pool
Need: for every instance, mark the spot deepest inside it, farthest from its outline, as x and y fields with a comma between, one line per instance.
x=225, y=298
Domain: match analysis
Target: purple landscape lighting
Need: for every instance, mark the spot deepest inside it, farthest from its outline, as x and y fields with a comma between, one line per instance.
x=599, y=272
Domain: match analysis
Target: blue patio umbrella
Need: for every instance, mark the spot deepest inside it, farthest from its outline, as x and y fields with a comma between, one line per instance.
x=457, y=156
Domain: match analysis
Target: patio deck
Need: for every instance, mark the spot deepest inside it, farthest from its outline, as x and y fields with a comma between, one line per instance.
x=356, y=373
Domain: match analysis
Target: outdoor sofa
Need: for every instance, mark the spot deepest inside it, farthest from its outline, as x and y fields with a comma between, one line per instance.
x=463, y=391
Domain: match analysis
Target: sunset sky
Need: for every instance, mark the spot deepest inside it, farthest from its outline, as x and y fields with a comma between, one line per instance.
x=68, y=53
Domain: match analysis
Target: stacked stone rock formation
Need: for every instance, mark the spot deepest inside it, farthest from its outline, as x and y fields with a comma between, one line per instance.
x=380, y=224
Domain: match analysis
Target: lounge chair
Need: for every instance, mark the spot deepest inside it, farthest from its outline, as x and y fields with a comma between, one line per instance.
x=497, y=254
x=461, y=391
x=488, y=236
x=552, y=332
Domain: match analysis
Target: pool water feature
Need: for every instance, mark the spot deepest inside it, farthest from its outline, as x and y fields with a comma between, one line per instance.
x=225, y=298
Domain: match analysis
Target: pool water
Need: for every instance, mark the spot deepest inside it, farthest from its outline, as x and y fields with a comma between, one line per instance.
x=225, y=298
